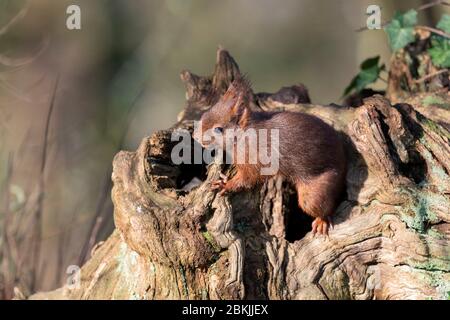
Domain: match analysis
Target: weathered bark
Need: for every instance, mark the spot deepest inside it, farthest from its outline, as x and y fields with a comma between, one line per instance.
x=176, y=239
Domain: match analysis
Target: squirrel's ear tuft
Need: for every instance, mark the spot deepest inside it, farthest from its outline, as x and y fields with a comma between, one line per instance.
x=242, y=85
x=240, y=91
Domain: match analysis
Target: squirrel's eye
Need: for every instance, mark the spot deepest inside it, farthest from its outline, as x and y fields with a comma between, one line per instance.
x=218, y=130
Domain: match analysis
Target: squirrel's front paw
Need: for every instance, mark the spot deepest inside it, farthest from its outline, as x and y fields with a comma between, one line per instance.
x=220, y=184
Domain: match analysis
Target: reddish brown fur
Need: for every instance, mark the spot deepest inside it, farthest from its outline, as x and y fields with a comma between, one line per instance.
x=311, y=152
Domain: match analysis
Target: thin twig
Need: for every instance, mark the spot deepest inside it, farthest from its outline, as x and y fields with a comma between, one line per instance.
x=6, y=259
x=20, y=62
x=107, y=184
x=431, y=75
x=433, y=4
x=435, y=31
x=47, y=128
x=14, y=20
x=41, y=186
x=95, y=230
x=8, y=228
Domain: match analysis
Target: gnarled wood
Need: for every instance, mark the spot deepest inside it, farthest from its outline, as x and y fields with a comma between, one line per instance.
x=176, y=239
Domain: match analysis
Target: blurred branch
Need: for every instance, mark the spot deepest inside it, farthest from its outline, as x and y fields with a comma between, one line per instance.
x=41, y=187
x=433, y=4
x=107, y=184
x=8, y=276
x=431, y=75
x=14, y=20
x=47, y=128
x=19, y=62
x=435, y=31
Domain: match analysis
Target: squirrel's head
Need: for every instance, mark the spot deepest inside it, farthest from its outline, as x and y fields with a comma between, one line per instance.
x=231, y=111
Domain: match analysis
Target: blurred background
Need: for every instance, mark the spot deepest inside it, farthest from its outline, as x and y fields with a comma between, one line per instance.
x=70, y=99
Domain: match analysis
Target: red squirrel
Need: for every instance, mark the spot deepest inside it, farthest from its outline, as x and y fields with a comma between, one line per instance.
x=311, y=153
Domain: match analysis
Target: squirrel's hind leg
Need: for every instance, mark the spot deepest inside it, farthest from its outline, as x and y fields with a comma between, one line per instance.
x=317, y=198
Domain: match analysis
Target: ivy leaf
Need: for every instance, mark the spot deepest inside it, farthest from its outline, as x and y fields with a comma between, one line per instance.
x=370, y=71
x=400, y=30
x=444, y=23
x=440, y=46
x=440, y=52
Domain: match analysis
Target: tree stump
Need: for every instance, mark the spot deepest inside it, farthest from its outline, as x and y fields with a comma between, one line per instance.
x=176, y=239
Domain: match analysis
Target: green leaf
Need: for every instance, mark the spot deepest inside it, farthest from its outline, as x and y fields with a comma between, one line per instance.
x=370, y=71
x=444, y=23
x=440, y=52
x=400, y=30
x=440, y=46
x=407, y=19
x=350, y=87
